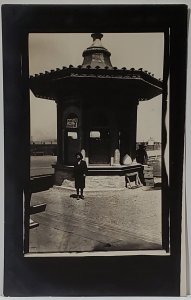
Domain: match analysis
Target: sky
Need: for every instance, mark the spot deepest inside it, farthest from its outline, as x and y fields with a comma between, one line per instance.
x=131, y=50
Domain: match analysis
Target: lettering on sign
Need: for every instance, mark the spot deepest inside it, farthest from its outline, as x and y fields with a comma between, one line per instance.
x=72, y=123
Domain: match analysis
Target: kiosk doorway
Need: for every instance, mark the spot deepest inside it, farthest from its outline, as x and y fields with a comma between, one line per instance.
x=99, y=146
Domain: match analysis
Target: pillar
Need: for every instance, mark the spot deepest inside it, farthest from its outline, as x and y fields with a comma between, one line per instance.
x=59, y=134
x=128, y=131
x=82, y=146
x=115, y=147
x=85, y=134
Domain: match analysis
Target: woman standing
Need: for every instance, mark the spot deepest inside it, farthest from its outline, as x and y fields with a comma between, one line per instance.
x=80, y=172
x=141, y=154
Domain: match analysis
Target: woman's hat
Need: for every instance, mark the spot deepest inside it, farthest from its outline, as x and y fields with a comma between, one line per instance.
x=79, y=154
x=142, y=145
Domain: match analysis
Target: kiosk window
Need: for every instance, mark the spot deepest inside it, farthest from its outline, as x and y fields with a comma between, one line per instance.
x=95, y=134
x=73, y=135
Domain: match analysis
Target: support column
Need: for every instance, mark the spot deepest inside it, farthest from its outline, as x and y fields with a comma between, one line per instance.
x=128, y=132
x=84, y=134
x=133, y=132
x=60, y=136
x=115, y=147
x=83, y=146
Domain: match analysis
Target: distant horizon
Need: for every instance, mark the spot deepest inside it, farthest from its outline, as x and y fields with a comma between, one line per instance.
x=55, y=140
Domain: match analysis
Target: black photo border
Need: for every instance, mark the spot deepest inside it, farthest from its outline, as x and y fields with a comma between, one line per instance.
x=88, y=276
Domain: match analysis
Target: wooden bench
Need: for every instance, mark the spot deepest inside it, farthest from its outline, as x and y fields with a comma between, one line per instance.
x=128, y=179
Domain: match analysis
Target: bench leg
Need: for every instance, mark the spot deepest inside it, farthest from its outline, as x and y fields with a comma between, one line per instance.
x=138, y=181
x=129, y=182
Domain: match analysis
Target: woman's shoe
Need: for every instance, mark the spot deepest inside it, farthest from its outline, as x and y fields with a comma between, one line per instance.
x=82, y=197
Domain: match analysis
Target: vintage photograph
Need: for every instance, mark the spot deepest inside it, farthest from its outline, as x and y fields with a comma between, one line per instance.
x=96, y=141
x=94, y=121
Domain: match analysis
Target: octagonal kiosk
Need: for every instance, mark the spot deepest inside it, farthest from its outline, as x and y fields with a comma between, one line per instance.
x=97, y=115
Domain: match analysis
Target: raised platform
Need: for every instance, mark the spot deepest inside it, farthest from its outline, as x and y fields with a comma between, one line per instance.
x=99, y=178
x=98, y=183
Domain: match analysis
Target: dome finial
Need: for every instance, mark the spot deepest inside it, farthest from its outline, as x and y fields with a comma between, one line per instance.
x=96, y=54
x=96, y=36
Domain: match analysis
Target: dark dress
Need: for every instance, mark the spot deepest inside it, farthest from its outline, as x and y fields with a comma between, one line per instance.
x=141, y=156
x=79, y=171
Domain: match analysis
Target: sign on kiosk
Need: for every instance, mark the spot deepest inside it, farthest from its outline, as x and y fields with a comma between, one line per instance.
x=72, y=123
